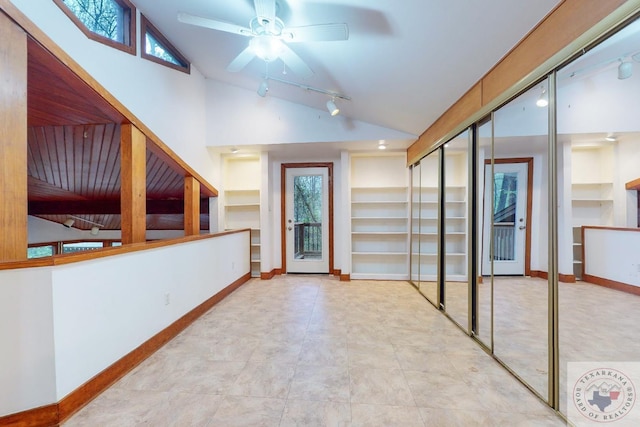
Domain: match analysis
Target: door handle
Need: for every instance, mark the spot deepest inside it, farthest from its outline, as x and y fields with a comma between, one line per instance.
x=522, y=227
x=289, y=228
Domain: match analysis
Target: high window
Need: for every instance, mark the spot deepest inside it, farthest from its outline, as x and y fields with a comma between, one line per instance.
x=156, y=48
x=112, y=22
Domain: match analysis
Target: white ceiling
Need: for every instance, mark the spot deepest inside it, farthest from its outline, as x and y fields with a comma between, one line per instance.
x=404, y=64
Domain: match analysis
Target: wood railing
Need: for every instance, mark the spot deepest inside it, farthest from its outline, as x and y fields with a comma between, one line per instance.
x=308, y=239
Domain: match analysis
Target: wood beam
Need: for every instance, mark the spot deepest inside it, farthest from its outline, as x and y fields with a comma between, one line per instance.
x=13, y=141
x=133, y=190
x=191, y=206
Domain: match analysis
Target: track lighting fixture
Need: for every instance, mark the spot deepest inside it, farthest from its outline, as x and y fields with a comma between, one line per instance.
x=625, y=70
x=542, y=100
x=332, y=107
x=382, y=145
x=331, y=104
x=263, y=88
x=72, y=219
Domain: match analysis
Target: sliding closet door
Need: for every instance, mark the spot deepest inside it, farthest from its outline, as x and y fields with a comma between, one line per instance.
x=516, y=229
x=429, y=230
x=456, y=236
x=598, y=155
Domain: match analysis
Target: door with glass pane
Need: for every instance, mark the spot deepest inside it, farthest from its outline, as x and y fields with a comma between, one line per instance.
x=509, y=187
x=306, y=220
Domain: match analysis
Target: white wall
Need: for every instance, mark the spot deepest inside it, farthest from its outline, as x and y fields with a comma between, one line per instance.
x=62, y=325
x=241, y=117
x=171, y=103
x=27, y=374
x=604, y=257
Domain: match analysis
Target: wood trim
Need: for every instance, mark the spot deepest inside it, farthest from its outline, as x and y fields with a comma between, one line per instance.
x=269, y=275
x=336, y=272
x=155, y=144
x=147, y=26
x=540, y=274
x=345, y=277
x=278, y=272
x=567, y=278
x=13, y=142
x=129, y=44
x=611, y=284
x=564, y=278
x=63, y=259
x=52, y=415
x=633, y=185
x=133, y=190
x=44, y=416
x=283, y=192
x=191, y=206
x=91, y=389
x=570, y=20
x=527, y=245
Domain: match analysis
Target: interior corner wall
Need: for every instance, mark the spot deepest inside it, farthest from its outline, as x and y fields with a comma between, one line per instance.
x=170, y=103
x=27, y=360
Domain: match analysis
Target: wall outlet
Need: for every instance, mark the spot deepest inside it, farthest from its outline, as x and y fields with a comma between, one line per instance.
x=167, y=298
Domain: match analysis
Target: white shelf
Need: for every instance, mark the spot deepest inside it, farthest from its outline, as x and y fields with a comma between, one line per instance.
x=241, y=202
x=379, y=216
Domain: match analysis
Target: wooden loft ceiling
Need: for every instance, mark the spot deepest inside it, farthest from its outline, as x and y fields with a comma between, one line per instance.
x=74, y=154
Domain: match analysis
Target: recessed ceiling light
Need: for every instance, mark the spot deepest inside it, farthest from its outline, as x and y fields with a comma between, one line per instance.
x=234, y=150
x=611, y=138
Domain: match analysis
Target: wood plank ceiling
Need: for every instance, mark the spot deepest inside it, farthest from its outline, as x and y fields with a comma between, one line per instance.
x=74, y=155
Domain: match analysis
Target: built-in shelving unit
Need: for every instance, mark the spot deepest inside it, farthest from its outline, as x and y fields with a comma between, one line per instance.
x=242, y=202
x=379, y=217
x=591, y=193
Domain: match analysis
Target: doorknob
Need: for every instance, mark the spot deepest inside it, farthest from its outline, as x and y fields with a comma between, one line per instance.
x=522, y=227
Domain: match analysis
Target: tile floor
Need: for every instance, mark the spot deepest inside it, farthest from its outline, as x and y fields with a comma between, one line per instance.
x=313, y=351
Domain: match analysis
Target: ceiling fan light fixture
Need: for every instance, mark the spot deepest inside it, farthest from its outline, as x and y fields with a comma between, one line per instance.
x=263, y=88
x=266, y=47
x=332, y=107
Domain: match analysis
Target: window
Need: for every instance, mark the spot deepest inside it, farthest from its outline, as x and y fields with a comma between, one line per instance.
x=80, y=246
x=41, y=251
x=156, y=48
x=112, y=22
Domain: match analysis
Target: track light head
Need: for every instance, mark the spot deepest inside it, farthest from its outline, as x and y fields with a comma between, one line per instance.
x=94, y=230
x=263, y=88
x=332, y=107
x=68, y=222
x=625, y=70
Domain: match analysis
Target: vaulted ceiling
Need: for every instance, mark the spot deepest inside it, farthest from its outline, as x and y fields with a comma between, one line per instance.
x=74, y=155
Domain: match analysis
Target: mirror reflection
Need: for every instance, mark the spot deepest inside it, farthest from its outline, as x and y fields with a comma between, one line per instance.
x=516, y=234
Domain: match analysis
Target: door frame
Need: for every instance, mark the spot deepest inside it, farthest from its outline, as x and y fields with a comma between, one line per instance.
x=283, y=190
x=527, y=238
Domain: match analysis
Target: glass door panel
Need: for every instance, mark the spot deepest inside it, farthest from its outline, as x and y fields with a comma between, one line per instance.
x=484, y=290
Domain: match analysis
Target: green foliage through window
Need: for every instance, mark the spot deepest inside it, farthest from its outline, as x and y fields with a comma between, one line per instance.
x=103, y=17
x=307, y=198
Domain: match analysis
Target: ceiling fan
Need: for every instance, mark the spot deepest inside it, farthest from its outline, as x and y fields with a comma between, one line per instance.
x=269, y=37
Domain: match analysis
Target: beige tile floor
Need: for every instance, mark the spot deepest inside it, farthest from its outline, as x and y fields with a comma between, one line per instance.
x=313, y=351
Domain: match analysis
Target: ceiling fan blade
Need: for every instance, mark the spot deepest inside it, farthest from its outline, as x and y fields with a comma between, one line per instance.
x=241, y=60
x=265, y=10
x=317, y=33
x=213, y=24
x=295, y=63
